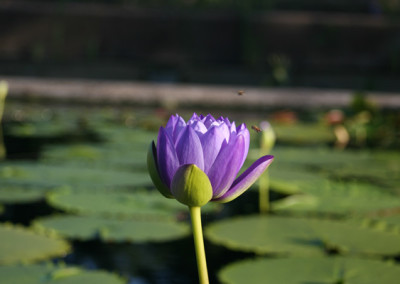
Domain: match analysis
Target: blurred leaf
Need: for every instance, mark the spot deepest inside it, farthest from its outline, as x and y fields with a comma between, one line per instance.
x=132, y=230
x=339, y=198
x=37, y=174
x=321, y=270
x=142, y=203
x=21, y=245
x=19, y=193
x=303, y=134
x=99, y=156
x=55, y=274
x=297, y=236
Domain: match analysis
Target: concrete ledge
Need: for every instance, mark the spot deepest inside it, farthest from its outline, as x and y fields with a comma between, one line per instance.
x=118, y=92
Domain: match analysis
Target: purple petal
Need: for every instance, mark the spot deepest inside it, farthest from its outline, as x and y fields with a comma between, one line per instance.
x=169, y=128
x=179, y=127
x=194, y=118
x=233, y=127
x=188, y=148
x=226, y=166
x=174, y=126
x=211, y=142
x=208, y=120
x=246, y=179
x=199, y=127
x=223, y=129
x=167, y=159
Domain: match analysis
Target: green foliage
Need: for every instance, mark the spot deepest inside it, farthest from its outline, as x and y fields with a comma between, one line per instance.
x=339, y=198
x=19, y=193
x=300, y=236
x=139, y=203
x=37, y=174
x=310, y=270
x=129, y=230
x=303, y=134
x=55, y=274
x=21, y=245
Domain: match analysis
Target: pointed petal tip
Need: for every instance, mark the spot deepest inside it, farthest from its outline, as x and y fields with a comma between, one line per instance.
x=246, y=179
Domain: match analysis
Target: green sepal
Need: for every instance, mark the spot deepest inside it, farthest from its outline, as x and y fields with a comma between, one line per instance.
x=191, y=186
x=153, y=171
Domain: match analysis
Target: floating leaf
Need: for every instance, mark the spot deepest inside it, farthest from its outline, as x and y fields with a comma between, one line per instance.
x=18, y=244
x=303, y=133
x=37, y=174
x=142, y=203
x=339, y=198
x=266, y=235
x=298, y=236
x=103, y=156
x=55, y=274
x=138, y=203
x=310, y=270
x=91, y=227
x=18, y=193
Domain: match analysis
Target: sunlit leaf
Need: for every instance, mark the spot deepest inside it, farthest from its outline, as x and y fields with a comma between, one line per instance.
x=132, y=230
x=55, y=274
x=37, y=174
x=321, y=270
x=21, y=245
x=300, y=236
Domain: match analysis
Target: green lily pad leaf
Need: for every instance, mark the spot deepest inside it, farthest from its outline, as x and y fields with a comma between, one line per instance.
x=141, y=203
x=339, y=198
x=304, y=134
x=125, y=136
x=37, y=174
x=42, y=128
x=18, y=193
x=310, y=270
x=55, y=274
x=138, y=203
x=102, y=156
x=371, y=167
x=21, y=245
x=298, y=236
x=266, y=235
x=91, y=227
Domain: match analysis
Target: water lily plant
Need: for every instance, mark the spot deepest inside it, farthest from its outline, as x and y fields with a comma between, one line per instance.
x=198, y=161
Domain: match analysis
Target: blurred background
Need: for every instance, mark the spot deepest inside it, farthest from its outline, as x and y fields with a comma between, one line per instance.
x=85, y=85
x=312, y=43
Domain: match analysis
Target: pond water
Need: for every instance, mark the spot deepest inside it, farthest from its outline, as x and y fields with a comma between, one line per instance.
x=77, y=176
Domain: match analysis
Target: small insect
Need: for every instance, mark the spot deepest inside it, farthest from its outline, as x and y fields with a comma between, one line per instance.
x=240, y=92
x=256, y=128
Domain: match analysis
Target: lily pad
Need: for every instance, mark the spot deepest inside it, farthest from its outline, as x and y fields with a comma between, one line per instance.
x=304, y=133
x=125, y=135
x=37, y=174
x=300, y=236
x=339, y=198
x=92, y=227
x=310, y=270
x=144, y=204
x=55, y=274
x=18, y=193
x=21, y=245
x=105, y=156
x=266, y=235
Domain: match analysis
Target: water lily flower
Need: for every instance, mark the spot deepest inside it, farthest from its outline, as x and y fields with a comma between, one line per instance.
x=198, y=161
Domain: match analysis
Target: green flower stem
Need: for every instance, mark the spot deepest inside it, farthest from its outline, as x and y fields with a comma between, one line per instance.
x=195, y=215
x=264, y=193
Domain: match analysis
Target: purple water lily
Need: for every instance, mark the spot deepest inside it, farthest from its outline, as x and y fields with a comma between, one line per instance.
x=216, y=146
